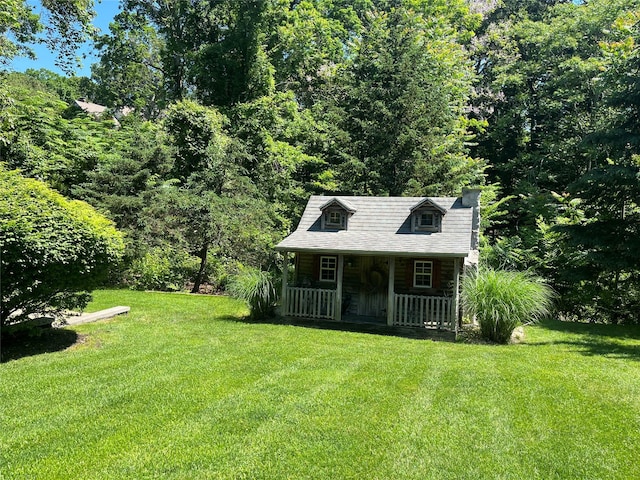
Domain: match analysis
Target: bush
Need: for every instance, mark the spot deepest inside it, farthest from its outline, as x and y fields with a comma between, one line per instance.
x=502, y=300
x=54, y=250
x=162, y=268
x=257, y=288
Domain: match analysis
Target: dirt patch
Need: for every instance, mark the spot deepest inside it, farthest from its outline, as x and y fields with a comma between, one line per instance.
x=205, y=289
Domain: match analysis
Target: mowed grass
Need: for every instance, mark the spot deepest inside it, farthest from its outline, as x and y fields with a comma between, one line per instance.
x=181, y=388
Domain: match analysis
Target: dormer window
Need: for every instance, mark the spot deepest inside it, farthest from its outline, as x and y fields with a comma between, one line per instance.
x=334, y=219
x=427, y=219
x=426, y=216
x=335, y=214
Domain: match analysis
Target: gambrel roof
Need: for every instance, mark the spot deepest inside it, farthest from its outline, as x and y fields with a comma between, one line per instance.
x=382, y=226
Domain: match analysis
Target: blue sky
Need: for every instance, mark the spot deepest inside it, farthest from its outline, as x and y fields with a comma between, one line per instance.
x=105, y=11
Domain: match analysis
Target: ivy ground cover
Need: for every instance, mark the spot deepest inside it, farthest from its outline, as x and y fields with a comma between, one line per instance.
x=182, y=387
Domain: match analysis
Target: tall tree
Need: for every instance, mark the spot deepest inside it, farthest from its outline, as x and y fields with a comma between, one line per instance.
x=279, y=144
x=400, y=98
x=130, y=72
x=550, y=103
x=206, y=202
x=608, y=236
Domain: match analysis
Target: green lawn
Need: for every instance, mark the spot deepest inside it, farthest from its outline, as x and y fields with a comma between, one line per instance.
x=182, y=388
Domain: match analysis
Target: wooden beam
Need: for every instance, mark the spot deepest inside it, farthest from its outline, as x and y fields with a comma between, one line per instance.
x=285, y=275
x=338, y=311
x=391, y=291
x=456, y=294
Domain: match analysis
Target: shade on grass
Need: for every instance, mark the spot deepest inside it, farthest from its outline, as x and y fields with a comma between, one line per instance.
x=180, y=388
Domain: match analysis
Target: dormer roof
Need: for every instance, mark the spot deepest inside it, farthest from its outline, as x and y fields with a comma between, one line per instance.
x=428, y=203
x=340, y=202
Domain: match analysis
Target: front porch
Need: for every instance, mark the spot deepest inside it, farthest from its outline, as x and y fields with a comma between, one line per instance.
x=393, y=291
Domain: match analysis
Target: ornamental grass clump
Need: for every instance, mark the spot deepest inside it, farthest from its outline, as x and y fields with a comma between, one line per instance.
x=257, y=289
x=502, y=300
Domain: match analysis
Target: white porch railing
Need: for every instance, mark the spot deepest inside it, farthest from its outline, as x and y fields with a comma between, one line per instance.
x=423, y=311
x=310, y=303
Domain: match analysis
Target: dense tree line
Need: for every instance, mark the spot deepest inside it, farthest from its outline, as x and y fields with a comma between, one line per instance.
x=244, y=108
x=558, y=85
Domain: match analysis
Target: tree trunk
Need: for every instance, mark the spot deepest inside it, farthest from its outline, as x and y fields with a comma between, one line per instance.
x=203, y=266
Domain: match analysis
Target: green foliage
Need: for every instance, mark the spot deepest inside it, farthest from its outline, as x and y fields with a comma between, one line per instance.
x=278, y=145
x=121, y=182
x=54, y=251
x=162, y=268
x=257, y=289
x=51, y=141
x=67, y=88
x=501, y=300
x=197, y=137
x=558, y=91
x=66, y=23
x=6, y=114
x=400, y=98
x=129, y=73
x=18, y=26
x=605, y=271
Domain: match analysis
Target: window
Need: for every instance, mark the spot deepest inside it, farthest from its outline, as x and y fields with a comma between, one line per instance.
x=334, y=219
x=427, y=219
x=328, y=267
x=422, y=273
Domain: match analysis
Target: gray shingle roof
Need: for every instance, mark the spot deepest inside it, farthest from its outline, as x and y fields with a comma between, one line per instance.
x=382, y=226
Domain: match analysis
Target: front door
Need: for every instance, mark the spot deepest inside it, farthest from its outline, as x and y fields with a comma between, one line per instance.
x=373, y=287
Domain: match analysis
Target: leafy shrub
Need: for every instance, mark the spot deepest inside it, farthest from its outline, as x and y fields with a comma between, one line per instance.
x=162, y=268
x=54, y=250
x=501, y=300
x=257, y=288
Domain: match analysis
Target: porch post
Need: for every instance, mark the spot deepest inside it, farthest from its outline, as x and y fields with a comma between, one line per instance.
x=284, y=301
x=456, y=294
x=338, y=307
x=391, y=291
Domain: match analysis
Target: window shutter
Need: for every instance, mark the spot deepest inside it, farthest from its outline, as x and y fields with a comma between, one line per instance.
x=408, y=273
x=437, y=273
x=316, y=267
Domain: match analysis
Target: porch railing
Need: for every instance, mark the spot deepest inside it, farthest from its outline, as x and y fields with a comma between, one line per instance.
x=310, y=303
x=423, y=311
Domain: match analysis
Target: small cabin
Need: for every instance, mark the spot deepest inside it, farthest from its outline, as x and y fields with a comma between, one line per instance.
x=391, y=260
